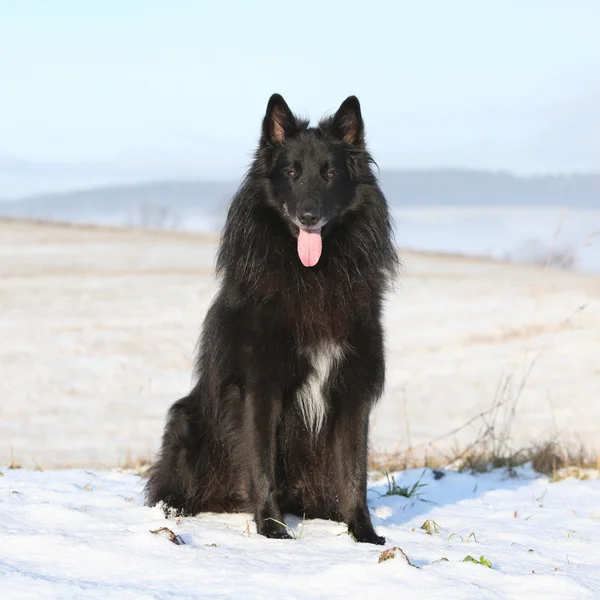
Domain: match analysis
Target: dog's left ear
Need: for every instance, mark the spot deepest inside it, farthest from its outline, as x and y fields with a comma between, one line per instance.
x=279, y=122
x=348, y=122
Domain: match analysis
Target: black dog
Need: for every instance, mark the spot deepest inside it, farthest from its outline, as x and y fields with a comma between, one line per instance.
x=292, y=356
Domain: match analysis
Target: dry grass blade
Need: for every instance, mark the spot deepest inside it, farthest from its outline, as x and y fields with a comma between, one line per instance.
x=588, y=240
x=13, y=464
x=138, y=466
x=392, y=552
x=166, y=532
x=431, y=527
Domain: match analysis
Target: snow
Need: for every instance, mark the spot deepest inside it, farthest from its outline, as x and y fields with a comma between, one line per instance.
x=521, y=234
x=97, y=333
x=86, y=534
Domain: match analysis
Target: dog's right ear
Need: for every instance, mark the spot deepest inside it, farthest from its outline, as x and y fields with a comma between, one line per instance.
x=279, y=122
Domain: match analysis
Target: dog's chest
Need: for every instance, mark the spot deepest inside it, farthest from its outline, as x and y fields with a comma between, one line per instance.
x=323, y=360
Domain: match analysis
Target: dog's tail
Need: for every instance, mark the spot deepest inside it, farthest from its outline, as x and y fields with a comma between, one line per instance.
x=192, y=472
x=166, y=482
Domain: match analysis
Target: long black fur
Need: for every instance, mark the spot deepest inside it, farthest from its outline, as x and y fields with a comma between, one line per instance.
x=240, y=441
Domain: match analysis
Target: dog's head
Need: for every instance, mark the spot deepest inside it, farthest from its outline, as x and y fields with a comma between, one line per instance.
x=312, y=172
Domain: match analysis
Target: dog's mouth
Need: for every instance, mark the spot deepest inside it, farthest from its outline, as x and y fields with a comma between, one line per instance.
x=310, y=242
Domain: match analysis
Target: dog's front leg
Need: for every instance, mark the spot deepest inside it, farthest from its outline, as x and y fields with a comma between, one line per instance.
x=262, y=414
x=360, y=383
x=351, y=448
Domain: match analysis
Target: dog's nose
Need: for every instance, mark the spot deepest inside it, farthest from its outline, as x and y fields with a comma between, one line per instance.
x=308, y=218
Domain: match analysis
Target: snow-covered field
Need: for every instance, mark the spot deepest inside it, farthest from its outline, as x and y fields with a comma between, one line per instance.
x=98, y=329
x=86, y=534
x=97, y=333
x=521, y=234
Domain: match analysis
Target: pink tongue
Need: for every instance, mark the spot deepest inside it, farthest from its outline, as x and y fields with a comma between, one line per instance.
x=309, y=247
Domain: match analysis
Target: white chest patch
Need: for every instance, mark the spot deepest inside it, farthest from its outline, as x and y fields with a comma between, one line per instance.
x=311, y=401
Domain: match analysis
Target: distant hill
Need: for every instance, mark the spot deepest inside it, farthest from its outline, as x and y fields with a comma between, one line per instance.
x=422, y=188
x=175, y=194
x=11, y=165
x=158, y=203
x=169, y=202
x=24, y=178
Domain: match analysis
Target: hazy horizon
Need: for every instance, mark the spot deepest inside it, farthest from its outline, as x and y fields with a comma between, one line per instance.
x=178, y=90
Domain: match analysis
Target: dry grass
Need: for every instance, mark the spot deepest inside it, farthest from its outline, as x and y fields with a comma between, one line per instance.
x=551, y=457
x=493, y=447
x=391, y=553
x=14, y=463
x=172, y=537
x=136, y=465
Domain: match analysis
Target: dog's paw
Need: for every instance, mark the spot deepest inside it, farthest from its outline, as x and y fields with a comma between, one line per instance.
x=372, y=538
x=278, y=535
x=273, y=530
x=366, y=535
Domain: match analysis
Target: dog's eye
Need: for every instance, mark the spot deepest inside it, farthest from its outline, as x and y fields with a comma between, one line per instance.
x=330, y=175
x=291, y=174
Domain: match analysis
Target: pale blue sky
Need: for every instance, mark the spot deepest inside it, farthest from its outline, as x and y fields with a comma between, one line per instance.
x=180, y=87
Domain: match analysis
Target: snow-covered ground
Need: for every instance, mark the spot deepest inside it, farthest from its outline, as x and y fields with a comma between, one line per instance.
x=98, y=329
x=97, y=333
x=86, y=534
